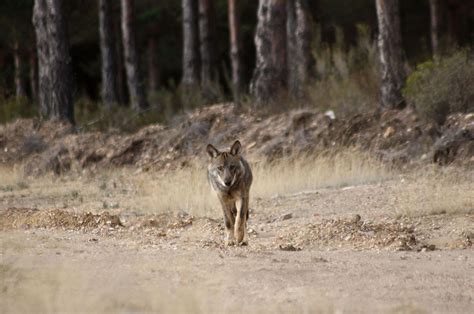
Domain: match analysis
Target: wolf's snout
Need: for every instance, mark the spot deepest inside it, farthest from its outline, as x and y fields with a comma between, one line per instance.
x=228, y=182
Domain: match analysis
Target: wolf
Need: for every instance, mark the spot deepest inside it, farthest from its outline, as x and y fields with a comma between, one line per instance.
x=230, y=176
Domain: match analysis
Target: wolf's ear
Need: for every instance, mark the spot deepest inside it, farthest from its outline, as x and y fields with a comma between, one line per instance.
x=236, y=148
x=212, y=151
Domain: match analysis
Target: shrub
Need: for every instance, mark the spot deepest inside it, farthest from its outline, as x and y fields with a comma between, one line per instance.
x=442, y=87
x=348, y=79
x=14, y=108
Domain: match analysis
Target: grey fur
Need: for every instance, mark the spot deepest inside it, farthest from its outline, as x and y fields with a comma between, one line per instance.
x=230, y=176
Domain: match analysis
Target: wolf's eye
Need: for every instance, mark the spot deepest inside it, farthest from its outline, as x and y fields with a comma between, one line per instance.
x=220, y=168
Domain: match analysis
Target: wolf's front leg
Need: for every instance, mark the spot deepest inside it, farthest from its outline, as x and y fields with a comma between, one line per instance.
x=240, y=227
x=229, y=222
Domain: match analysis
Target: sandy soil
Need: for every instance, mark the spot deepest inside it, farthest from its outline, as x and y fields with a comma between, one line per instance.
x=308, y=252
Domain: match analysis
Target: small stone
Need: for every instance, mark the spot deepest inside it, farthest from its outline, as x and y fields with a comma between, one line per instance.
x=287, y=216
x=289, y=247
x=389, y=132
x=356, y=218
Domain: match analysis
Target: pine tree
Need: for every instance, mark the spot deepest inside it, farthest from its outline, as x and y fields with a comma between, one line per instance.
x=391, y=54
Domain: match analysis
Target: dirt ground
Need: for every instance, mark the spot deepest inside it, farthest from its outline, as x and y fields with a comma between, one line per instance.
x=329, y=250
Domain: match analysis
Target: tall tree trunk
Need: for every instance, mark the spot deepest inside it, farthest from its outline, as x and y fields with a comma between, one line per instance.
x=153, y=70
x=61, y=101
x=107, y=50
x=235, y=49
x=40, y=22
x=33, y=76
x=292, y=49
x=207, y=44
x=55, y=80
x=120, y=79
x=191, y=66
x=435, y=24
x=19, y=82
x=300, y=60
x=304, y=35
x=270, y=75
x=390, y=52
x=135, y=85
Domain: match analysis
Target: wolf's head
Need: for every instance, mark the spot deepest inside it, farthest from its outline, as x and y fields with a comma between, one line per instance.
x=226, y=166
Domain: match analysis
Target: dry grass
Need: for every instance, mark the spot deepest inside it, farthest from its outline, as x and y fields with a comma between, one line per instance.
x=342, y=169
x=428, y=191
x=436, y=191
x=188, y=189
x=12, y=179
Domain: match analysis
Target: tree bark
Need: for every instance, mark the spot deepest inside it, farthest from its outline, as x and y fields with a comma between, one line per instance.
x=120, y=79
x=435, y=24
x=390, y=53
x=235, y=49
x=61, y=101
x=207, y=44
x=292, y=48
x=33, y=76
x=270, y=75
x=55, y=86
x=107, y=50
x=304, y=35
x=191, y=66
x=40, y=22
x=135, y=85
x=153, y=70
x=19, y=81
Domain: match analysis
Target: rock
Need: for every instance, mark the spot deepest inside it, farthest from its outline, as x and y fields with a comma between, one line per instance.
x=389, y=132
x=286, y=216
x=289, y=247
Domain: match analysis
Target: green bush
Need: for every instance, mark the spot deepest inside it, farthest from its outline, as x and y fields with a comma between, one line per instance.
x=442, y=87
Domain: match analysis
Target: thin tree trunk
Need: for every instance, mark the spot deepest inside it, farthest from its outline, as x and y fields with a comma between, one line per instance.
x=191, y=66
x=304, y=35
x=270, y=75
x=107, y=50
x=435, y=24
x=235, y=49
x=292, y=49
x=390, y=52
x=207, y=45
x=33, y=76
x=40, y=22
x=300, y=58
x=61, y=102
x=19, y=82
x=120, y=79
x=153, y=70
x=135, y=85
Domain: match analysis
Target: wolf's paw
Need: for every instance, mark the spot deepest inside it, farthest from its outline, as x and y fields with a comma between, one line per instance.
x=244, y=243
x=230, y=242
